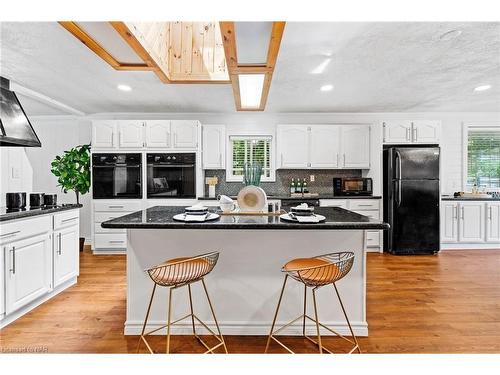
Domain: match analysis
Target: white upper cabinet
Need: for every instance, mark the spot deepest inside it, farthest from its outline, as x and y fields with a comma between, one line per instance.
x=214, y=146
x=158, y=133
x=355, y=146
x=130, y=134
x=184, y=133
x=293, y=146
x=472, y=222
x=421, y=131
x=426, y=131
x=103, y=134
x=324, y=146
x=493, y=222
x=449, y=221
x=397, y=132
x=28, y=270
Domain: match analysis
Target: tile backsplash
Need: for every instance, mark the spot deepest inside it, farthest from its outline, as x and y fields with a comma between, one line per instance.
x=322, y=184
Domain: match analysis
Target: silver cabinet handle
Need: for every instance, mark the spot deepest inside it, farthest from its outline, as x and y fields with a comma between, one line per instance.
x=168, y=139
x=455, y=212
x=120, y=138
x=462, y=212
x=60, y=243
x=344, y=160
x=282, y=159
x=489, y=213
x=115, y=206
x=384, y=130
x=112, y=139
x=416, y=135
x=337, y=159
x=13, y=251
x=115, y=241
x=364, y=205
x=220, y=160
x=10, y=233
x=71, y=218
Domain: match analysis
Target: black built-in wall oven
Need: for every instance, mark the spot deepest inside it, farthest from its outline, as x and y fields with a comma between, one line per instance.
x=116, y=176
x=171, y=175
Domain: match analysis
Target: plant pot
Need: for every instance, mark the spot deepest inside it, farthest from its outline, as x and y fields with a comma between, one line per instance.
x=82, y=243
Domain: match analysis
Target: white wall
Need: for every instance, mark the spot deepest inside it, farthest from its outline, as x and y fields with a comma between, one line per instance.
x=17, y=173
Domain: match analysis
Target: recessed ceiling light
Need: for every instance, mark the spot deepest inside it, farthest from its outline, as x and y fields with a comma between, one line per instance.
x=449, y=35
x=482, y=88
x=321, y=67
x=326, y=88
x=124, y=87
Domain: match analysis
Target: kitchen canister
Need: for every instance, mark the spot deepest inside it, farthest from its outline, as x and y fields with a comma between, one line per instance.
x=50, y=200
x=37, y=199
x=15, y=200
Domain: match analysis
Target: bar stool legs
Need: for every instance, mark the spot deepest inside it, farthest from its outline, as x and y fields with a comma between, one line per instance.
x=191, y=315
x=274, y=320
x=347, y=319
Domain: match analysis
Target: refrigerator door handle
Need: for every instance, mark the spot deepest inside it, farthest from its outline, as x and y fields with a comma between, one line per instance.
x=398, y=161
x=397, y=187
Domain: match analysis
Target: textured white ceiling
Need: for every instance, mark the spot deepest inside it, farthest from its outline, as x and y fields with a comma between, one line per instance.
x=375, y=67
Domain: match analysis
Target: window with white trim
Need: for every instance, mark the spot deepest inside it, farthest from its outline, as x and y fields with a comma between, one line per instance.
x=483, y=158
x=249, y=150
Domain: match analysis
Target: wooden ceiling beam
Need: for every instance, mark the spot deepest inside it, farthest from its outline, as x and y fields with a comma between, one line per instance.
x=234, y=68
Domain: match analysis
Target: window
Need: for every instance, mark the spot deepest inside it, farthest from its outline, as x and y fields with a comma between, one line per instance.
x=250, y=149
x=483, y=158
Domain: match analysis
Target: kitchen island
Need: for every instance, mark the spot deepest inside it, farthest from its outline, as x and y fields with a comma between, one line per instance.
x=245, y=284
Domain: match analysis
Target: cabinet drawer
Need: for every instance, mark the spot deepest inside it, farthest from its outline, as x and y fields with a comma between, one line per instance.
x=363, y=204
x=99, y=217
x=372, y=238
x=110, y=241
x=66, y=219
x=117, y=206
x=99, y=229
x=342, y=203
x=372, y=214
x=23, y=228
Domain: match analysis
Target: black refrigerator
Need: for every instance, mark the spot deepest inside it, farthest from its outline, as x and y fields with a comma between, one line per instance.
x=411, y=199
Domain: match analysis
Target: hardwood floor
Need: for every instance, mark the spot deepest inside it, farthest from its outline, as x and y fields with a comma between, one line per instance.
x=448, y=303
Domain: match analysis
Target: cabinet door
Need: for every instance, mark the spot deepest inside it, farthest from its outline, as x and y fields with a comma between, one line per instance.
x=28, y=266
x=493, y=222
x=355, y=141
x=66, y=254
x=471, y=222
x=184, y=133
x=158, y=134
x=103, y=134
x=324, y=146
x=449, y=221
x=214, y=147
x=397, y=132
x=426, y=131
x=130, y=134
x=293, y=146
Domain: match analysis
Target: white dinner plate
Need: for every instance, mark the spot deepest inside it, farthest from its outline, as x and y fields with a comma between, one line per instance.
x=252, y=199
x=182, y=217
x=287, y=217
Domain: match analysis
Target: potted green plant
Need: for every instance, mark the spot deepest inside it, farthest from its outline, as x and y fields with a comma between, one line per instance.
x=72, y=170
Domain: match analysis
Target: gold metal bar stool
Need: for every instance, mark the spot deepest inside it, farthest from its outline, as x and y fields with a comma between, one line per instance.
x=315, y=273
x=177, y=273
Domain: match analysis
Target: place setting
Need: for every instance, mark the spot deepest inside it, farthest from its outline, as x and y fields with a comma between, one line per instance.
x=196, y=214
x=303, y=214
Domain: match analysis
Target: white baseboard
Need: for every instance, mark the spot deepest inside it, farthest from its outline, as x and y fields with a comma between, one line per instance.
x=470, y=246
x=24, y=310
x=246, y=329
x=109, y=252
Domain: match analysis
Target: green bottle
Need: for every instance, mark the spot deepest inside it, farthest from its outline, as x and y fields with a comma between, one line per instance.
x=304, y=186
x=292, y=186
x=298, y=187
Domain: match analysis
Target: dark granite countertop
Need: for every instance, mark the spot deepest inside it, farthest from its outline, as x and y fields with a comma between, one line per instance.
x=321, y=196
x=6, y=215
x=161, y=217
x=451, y=198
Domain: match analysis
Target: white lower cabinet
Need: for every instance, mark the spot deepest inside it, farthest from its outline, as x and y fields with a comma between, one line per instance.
x=366, y=207
x=28, y=271
x=471, y=222
x=66, y=254
x=493, y=223
x=464, y=223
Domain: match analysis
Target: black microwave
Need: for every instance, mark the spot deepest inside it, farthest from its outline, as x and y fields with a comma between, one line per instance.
x=357, y=186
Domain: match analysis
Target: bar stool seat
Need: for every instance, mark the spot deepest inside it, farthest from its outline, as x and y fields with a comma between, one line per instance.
x=176, y=273
x=315, y=273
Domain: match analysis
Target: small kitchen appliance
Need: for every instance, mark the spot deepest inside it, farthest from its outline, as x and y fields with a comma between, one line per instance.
x=352, y=186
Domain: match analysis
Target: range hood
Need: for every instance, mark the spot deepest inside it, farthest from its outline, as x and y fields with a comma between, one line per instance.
x=15, y=127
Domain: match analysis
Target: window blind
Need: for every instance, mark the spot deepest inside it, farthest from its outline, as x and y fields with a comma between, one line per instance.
x=483, y=158
x=251, y=150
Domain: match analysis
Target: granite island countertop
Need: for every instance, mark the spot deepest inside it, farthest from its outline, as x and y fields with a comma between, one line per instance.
x=321, y=196
x=161, y=217
x=6, y=215
x=472, y=199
